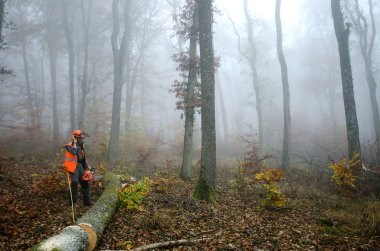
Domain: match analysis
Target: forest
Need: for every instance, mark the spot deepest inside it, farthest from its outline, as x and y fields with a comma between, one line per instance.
x=189, y=125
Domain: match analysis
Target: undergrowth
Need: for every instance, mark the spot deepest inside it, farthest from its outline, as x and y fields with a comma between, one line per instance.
x=132, y=195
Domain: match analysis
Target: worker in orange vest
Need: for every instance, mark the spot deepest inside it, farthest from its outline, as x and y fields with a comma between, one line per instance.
x=77, y=167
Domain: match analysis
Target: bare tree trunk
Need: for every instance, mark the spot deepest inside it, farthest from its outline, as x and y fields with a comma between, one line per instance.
x=372, y=83
x=134, y=69
x=186, y=170
x=70, y=49
x=119, y=57
x=285, y=86
x=30, y=108
x=130, y=78
x=206, y=185
x=366, y=49
x=29, y=98
x=52, y=45
x=131, y=84
x=174, y=4
x=142, y=102
x=331, y=100
x=252, y=59
x=342, y=34
x=84, y=83
x=95, y=103
x=128, y=93
x=223, y=108
x=2, y=7
x=41, y=93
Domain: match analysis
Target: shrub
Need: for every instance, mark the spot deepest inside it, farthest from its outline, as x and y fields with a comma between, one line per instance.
x=132, y=195
x=344, y=172
x=271, y=177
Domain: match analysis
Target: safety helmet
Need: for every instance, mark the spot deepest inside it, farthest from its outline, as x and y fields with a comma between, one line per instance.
x=78, y=133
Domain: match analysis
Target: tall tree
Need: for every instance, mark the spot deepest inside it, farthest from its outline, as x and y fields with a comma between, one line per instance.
x=70, y=49
x=285, y=88
x=141, y=26
x=52, y=50
x=119, y=57
x=342, y=33
x=222, y=107
x=361, y=26
x=186, y=170
x=252, y=60
x=174, y=5
x=2, y=13
x=29, y=104
x=86, y=20
x=205, y=189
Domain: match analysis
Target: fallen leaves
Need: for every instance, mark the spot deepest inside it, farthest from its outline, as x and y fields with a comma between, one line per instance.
x=170, y=214
x=28, y=213
x=232, y=225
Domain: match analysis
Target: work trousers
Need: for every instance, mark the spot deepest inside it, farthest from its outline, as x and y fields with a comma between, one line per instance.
x=76, y=178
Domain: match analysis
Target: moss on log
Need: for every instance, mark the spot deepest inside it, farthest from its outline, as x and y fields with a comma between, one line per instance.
x=90, y=226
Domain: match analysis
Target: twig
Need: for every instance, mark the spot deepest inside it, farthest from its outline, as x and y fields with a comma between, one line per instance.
x=173, y=243
x=169, y=243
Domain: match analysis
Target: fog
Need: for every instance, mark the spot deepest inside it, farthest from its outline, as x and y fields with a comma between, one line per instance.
x=310, y=48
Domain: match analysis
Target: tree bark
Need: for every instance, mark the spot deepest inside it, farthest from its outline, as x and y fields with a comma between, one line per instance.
x=70, y=49
x=285, y=89
x=186, y=170
x=2, y=7
x=41, y=93
x=342, y=34
x=52, y=45
x=131, y=84
x=205, y=189
x=30, y=106
x=90, y=226
x=119, y=57
x=29, y=98
x=84, y=83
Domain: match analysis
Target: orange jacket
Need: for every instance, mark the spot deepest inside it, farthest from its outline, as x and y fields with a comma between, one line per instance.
x=71, y=160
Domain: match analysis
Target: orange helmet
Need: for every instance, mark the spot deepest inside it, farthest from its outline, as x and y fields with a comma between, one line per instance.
x=78, y=133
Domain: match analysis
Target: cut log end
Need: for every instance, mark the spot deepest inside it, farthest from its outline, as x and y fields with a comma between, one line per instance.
x=92, y=237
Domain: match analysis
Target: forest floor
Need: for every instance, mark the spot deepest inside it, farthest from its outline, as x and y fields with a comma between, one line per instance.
x=34, y=205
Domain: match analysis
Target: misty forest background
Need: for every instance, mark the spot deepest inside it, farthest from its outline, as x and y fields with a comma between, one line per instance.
x=243, y=104
x=58, y=75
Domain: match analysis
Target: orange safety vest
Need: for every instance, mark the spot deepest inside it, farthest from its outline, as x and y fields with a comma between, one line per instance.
x=71, y=160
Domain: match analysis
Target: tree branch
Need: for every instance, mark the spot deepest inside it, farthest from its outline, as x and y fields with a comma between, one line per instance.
x=173, y=243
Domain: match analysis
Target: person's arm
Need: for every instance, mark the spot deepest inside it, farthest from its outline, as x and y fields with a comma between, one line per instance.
x=72, y=150
x=86, y=166
x=73, y=147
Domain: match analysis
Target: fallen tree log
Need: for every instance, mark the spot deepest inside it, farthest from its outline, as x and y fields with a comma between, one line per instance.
x=85, y=235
